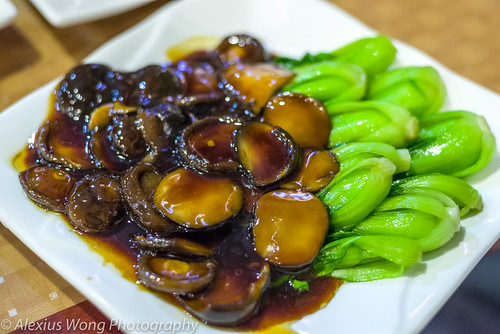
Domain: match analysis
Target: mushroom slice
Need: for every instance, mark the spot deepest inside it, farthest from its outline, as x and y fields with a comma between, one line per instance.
x=173, y=275
x=268, y=153
x=95, y=204
x=207, y=145
x=289, y=228
x=303, y=117
x=202, y=84
x=138, y=185
x=240, y=48
x=256, y=83
x=65, y=143
x=155, y=84
x=319, y=167
x=196, y=201
x=172, y=246
x=83, y=89
x=232, y=297
x=47, y=186
x=160, y=125
x=116, y=140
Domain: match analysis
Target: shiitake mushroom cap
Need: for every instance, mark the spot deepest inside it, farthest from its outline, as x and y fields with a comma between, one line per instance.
x=95, y=203
x=138, y=184
x=160, y=126
x=172, y=275
x=240, y=48
x=116, y=141
x=303, y=117
x=231, y=298
x=208, y=145
x=318, y=169
x=174, y=246
x=255, y=83
x=268, y=153
x=201, y=81
x=196, y=201
x=290, y=227
x=47, y=186
x=64, y=142
x=82, y=89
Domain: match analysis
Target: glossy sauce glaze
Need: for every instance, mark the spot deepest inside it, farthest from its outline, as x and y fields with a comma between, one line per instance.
x=128, y=132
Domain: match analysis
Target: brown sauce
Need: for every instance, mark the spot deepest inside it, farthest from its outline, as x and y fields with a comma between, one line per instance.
x=232, y=245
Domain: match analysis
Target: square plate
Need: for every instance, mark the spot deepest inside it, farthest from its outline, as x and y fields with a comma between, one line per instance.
x=291, y=27
x=65, y=13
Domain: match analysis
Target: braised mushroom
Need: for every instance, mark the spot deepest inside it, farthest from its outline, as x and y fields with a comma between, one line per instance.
x=160, y=125
x=303, y=117
x=207, y=145
x=95, y=203
x=82, y=90
x=281, y=216
x=196, y=201
x=171, y=275
x=116, y=139
x=155, y=84
x=47, y=186
x=268, y=153
x=240, y=48
x=172, y=245
x=319, y=167
x=138, y=184
x=202, y=83
x=64, y=142
x=232, y=297
x=256, y=83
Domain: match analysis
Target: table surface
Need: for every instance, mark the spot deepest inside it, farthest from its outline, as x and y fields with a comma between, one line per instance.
x=461, y=34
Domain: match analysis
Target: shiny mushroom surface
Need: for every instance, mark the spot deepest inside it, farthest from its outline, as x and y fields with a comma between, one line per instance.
x=268, y=153
x=281, y=216
x=138, y=184
x=240, y=48
x=95, y=203
x=256, y=83
x=318, y=169
x=208, y=145
x=173, y=275
x=47, y=186
x=195, y=201
x=303, y=117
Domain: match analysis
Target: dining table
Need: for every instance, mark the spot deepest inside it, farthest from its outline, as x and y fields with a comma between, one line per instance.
x=460, y=34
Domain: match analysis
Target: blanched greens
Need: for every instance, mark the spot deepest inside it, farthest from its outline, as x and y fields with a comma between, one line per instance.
x=420, y=214
x=372, y=54
x=418, y=89
x=459, y=143
x=329, y=81
x=398, y=193
x=371, y=121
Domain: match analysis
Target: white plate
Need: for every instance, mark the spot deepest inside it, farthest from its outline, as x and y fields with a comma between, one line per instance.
x=7, y=13
x=65, y=13
x=291, y=27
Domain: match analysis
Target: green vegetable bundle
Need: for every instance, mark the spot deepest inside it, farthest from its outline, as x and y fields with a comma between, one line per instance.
x=372, y=54
x=459, y=143
x=418, y=89
x=398, y=193
x=420, y=214
x=329, y=81
x=371, y=121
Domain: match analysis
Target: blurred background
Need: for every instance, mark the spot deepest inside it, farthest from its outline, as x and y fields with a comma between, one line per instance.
x=461, y=34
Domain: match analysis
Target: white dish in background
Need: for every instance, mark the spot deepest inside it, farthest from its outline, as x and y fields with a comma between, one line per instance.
x=7, y=13
x=291, y=27
x=65, y=13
